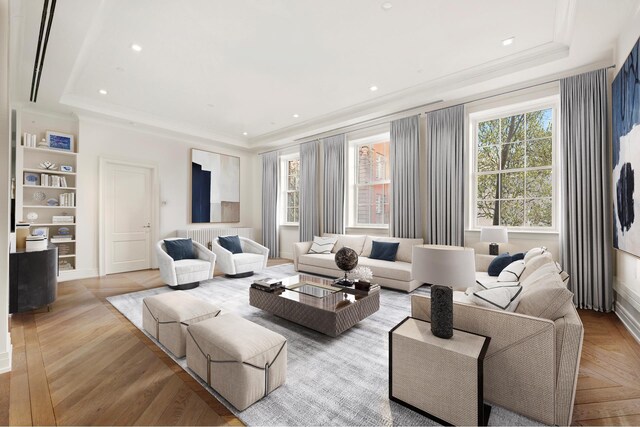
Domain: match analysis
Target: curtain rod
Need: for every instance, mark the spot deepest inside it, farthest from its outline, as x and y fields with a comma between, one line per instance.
x=355, y=125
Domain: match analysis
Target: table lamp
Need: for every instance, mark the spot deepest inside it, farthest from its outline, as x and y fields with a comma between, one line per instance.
x=445, y=268
x=494, y=235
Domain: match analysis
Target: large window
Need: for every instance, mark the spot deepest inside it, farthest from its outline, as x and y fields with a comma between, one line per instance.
x=513, y=169
x=369, y=182
x=291, y=195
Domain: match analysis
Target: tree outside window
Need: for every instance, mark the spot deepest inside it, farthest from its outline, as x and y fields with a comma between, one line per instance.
x=293, y=191
x=514, y=170
x=372, y=183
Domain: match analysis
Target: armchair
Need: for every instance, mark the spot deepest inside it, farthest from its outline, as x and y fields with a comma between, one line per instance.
x=185, y=273
x=252, y=259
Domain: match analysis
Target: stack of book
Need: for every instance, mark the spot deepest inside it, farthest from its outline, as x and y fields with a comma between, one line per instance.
x=267, y=284
x=68, y=199
x=61, y=238
x=62, y=219
x=47, y=180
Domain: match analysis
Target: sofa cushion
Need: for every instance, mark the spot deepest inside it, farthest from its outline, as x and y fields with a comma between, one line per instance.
x=483, y=277
x=231, y=243
x=322, y=245
x=247, y=258
x=405, y=250
x=498, y=264
x=385, y=251
x=517, y=256
x=319, y=260
x=390, y=270
x=534, y=264
x=503, y=297
x=512, y=272
x=180, y=249
x=547, y=302
x=353, y=241
x=534, y=252
x=188, y=266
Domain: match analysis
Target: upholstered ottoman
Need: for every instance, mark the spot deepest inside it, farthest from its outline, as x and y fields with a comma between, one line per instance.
x=240, y=360
x=166, y=317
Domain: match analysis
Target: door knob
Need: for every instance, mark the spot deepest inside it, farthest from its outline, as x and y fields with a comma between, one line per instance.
x=147, y=226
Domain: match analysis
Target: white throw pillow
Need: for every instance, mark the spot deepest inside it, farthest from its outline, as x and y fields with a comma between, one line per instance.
x=512, y=272
x=322, y=245
x=500, y=297
x=535, y=251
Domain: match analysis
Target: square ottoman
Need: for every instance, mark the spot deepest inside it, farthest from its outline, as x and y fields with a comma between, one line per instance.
x=239, y=359
x=166, y=317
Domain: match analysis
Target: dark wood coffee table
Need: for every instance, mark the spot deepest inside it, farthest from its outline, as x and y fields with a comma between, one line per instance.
x=312, y=302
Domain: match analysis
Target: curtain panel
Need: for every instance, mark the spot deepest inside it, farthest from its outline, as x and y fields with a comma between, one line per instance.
x=445, y=195
x=309, y=191
x=334, y=149
x=406, y=214
x=586, y=227
x=270, y=162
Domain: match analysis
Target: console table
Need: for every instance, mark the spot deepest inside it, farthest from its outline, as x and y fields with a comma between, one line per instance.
x=436, y=377
x=33, y=279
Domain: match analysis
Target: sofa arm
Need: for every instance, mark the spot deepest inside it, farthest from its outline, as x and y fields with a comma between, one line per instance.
x=253, y=247
x=300, y=248
x=166, y=265
x=483, y=261
x=205, y=255
x=520, y=364
x=224, y=258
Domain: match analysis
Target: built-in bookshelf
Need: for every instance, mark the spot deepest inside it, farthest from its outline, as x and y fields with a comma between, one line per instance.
x=46, y=181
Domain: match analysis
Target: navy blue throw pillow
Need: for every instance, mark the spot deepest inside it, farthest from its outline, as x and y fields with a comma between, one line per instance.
x=231, y=243
x=385, y=251
x=499, y=263
x=517, y=257
x=180, y=249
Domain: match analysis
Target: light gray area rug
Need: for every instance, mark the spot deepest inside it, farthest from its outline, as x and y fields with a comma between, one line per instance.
x=330, y=381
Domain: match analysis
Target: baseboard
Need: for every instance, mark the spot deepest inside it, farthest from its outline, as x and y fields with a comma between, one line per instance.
x=77, y=274
x=286, y=255
x=629, y=321
x=5, y=360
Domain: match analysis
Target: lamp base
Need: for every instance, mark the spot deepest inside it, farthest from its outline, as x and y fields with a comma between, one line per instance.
x=493, y=249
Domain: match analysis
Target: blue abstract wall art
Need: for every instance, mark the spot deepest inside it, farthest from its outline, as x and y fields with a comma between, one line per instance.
x=626, y=154
x=215, y=187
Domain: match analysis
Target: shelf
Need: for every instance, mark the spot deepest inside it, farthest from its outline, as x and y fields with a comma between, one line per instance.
x=67, y=256
x=50, y=224
x=47, y=207
x=49, y=150
x=62, y=241
x=48, y=171
x=49, y=187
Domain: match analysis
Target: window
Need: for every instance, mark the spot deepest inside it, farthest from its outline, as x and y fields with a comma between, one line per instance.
x=513, y=175
x=369, y=182
x=291, y=168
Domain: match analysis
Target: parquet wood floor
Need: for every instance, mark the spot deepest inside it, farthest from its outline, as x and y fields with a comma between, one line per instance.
x=84, y=363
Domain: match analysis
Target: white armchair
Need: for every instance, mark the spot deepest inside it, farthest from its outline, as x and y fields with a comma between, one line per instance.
x=252, y=259
x=185, y=273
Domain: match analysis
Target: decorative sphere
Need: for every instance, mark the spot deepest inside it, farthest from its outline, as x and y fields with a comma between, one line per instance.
x=346, y=259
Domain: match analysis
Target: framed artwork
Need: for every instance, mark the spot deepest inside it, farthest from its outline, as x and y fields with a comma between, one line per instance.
x=60, y=141
x=626, y=154
x=40, y=231
x=31, y=178
x=215, y=187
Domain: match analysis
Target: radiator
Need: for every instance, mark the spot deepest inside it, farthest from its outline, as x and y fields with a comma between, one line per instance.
x=205, y=236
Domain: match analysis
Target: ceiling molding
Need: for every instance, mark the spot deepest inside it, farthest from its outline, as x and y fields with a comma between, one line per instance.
x=416, y=95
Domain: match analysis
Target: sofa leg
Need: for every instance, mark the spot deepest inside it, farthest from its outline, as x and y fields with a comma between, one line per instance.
x=185, y=286
x=239, y=275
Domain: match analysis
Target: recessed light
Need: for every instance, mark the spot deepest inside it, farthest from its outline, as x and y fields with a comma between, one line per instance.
x=136, y=47
x=373, y=88
x=245, y=133
x=295, y=116
x=386, y=5
x=102, y=92
x=507, y=42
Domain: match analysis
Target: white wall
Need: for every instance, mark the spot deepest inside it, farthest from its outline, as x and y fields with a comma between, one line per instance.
x=172, y=156
x=5, y=156
x=627, y=283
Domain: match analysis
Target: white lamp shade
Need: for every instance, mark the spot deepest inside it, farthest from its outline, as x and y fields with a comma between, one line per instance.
x=494, y=235
x=453, y=266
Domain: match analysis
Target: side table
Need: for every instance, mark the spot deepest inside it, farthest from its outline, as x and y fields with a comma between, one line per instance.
x=439, y=378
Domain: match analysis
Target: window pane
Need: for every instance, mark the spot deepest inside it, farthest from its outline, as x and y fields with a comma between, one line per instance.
x=539, y=184
x=512, y=185
x=489, y=132
x=291, y=217
x=488, y=186
x=539, y=124
x=539, y=212
x=539, y=153
x=486, y=212
x=292, y=199
x=364, y=171
x=512, y=128
x=488, y=158
x=513, y=155
x=294, y=167
x=512, y=213
x=373, y=204
x=293, y=183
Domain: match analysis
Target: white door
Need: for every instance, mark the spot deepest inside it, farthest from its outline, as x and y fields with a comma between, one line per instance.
x=127, y=216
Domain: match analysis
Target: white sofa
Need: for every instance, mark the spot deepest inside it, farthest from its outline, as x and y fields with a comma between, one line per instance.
x=389, y=274
x=186, y=273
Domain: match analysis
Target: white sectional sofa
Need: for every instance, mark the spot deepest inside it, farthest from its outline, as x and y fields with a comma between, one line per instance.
x=389, y=274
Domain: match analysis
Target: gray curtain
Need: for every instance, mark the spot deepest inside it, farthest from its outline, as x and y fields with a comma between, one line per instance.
x=333, y=149
x=406, y=220
x=445, y=195
x=586, y=229
x=309, y=187
x=270, y=162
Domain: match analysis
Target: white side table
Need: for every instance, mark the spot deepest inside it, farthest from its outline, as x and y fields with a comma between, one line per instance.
x=439, y=378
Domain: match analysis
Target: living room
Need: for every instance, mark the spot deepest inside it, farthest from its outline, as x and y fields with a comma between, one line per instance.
x=138, y=104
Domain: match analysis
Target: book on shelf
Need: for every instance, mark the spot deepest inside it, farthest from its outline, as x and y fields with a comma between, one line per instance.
x=67, y=199
x=62, y=219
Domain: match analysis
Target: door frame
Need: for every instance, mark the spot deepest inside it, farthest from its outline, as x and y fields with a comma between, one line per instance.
x=102, y=220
